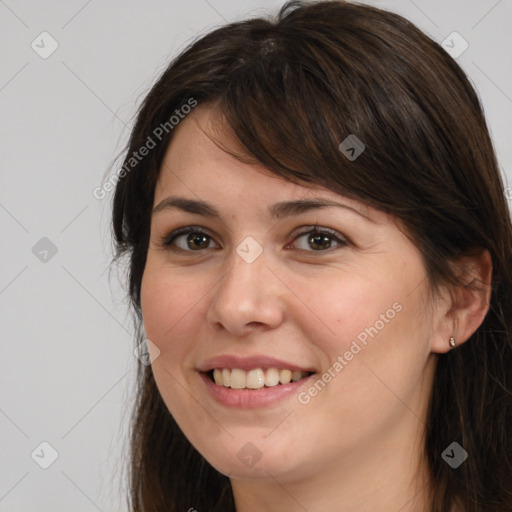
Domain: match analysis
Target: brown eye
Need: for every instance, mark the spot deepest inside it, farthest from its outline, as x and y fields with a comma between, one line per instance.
x=197, y=241
x=188, y=239
x=320, y=241
x=317, y=240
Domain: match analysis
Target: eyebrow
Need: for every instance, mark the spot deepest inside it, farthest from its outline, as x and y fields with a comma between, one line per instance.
x=277, y=211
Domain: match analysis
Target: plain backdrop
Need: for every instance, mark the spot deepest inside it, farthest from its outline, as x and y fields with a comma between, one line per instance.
x=66, y=361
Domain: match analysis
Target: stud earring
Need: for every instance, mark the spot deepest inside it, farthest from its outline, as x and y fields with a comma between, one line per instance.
x=452, y=342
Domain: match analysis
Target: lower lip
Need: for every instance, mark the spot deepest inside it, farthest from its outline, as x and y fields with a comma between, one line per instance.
x=252, y=398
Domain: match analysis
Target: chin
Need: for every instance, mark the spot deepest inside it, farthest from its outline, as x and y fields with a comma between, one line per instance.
x=249, y=462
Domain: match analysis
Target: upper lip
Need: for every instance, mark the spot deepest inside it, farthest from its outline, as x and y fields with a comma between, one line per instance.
x=249, y=363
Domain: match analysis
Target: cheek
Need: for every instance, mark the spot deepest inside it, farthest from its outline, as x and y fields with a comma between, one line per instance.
x=168, y=302
x=352, y=306
x=371, y=331
x=378, y=358
x=170, y=308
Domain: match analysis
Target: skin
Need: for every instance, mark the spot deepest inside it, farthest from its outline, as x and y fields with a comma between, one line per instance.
x=357, y=444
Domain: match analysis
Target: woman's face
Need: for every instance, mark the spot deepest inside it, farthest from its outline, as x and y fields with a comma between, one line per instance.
x=267, y=282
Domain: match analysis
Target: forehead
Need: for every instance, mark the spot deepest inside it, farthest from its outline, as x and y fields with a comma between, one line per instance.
x=196, y=167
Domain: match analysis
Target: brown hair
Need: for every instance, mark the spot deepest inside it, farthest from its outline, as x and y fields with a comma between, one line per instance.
x=292, y=89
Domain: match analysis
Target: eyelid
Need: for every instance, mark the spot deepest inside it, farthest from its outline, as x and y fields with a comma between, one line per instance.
x=166, y=240
x=341, y=240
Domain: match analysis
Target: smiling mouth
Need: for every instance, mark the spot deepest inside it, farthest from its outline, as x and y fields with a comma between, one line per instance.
x=257, y=378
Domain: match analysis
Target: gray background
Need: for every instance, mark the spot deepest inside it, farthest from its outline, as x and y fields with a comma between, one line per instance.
x=66, y=361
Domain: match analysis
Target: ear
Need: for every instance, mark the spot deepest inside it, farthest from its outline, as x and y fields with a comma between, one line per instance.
x=462, y=308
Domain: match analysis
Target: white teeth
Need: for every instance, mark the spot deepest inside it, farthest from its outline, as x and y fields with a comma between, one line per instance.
x=296, y=375
x=226, y=377
x=285, y=376
x=256, y=378
x=237, y=379
x=272, y=377
x=217, y=377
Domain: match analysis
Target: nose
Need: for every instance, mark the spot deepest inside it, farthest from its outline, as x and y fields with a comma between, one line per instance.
x=248, y=298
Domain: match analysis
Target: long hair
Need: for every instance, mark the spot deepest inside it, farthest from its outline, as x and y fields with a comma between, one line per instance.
x=292, y=89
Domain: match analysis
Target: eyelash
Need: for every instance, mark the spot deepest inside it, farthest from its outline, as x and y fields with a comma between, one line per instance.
x=168, y=240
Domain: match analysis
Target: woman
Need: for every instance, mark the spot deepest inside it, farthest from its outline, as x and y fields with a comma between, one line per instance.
x=320, y=262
